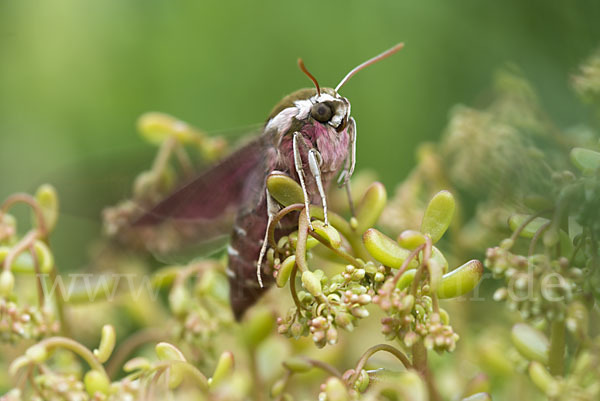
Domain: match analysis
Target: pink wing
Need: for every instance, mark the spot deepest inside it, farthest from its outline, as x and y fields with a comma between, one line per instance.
x=197, y=218
x=211, y=194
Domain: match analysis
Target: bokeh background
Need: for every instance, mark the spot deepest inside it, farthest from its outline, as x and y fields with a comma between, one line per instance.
x=75, y=75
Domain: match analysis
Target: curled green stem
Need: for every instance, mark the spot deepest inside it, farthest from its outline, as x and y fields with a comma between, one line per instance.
x=419, y=359
x=374, y=349
x=299, y=305
x=184, y=160
x=33, y=203
x=38, y=275
x=193, y=372
x=303, y=228
x=75, y=347
x=25, y=242
x=324, y=366
x=537, y=236
x=340, y=252
x=131, y=344
x=519, y=229
x=286, y=380
x=164, y=154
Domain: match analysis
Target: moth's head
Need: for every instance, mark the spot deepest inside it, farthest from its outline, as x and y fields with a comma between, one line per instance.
x=318, y=105
x=326, y=107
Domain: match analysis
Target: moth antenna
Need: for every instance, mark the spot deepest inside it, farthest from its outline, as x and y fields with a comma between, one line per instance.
x=312, y=78
x=367, y=63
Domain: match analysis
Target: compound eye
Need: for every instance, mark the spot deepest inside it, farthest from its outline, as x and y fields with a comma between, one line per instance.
x=321, y=112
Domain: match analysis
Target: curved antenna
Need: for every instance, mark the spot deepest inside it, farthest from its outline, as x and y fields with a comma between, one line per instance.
x=367, y=63
x=312, y=78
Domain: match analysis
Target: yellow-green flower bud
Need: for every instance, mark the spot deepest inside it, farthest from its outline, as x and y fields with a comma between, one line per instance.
x=517, y=220
x=7, y=283
x=406, y=279
x=385, y=250
x=45, y=257
x=258, y=326
x=278, y=388
x=438, y=215
x=336, y=390
x=137, y=363
x=297, y=364
x=411, y=386
x=156, y=127
x=543, y=379
x=283, y=274
x=370, y=206
x=411, y=239
x=530, y=343
x=96, y=382
x=47, y=198
x=108, y=340
x=223, y=369
x=461, y=280
x=284, y=189
x=328, y=232
x=362, y=382
x=179, y=299
x=586, y=160
x=168, y=352
x=312, y=283
x=37, y=353
x=311, y=242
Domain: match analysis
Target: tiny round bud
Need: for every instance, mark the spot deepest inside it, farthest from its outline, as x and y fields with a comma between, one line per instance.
x=336, y=390
x=37, y=353
x=7, y=283
x=179, y=299
x=312, y=283
x=96, y=382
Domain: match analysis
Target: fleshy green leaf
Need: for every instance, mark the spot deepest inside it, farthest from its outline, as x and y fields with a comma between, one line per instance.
x=531, y=343
x=460, y=280
x=385, y=250
x=438, y=215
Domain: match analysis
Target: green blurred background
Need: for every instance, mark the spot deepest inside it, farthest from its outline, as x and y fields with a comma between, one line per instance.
x=75, y=75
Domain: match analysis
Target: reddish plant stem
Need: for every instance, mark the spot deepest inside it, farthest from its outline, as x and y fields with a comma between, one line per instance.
x=419, y=359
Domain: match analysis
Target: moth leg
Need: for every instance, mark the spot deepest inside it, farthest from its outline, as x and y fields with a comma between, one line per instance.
x=272, y=209
x=346, y=174
x=300, y=172
x=314, y=163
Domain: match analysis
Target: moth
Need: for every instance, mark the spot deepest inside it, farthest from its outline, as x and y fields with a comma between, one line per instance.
x=309, y=135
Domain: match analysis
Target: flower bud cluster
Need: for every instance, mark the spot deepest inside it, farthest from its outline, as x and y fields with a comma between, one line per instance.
x=343, y=300
x=581, y=383
x=54, y=387
x=201, y=313
x=25, y=322
x=536, y=286
x=412, y=318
